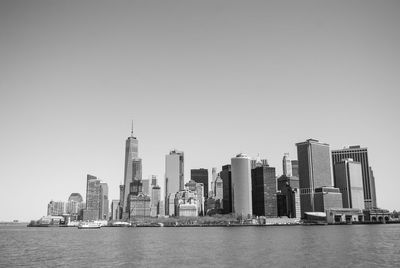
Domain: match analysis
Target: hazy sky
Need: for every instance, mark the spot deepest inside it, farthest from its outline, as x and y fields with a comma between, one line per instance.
x=211, y=78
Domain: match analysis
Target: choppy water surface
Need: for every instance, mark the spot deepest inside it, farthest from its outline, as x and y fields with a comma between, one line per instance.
x=287, y=246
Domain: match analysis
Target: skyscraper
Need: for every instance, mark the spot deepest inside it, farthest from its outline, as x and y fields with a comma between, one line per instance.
x=295, y=168
x=133, y=170
x=348, y=178
x=287, y=165
x=219, y=188
x=212, y=184
x=200, y=176
x=314, y=171
x=92, y=199
x=103, y=211
x=241, y=184
x=226, y=176
x=358, y=154
x=264, y=191
x=174, y=172
x=146, y=188
x=115, y=210
x=155, y=200
x=373, y=189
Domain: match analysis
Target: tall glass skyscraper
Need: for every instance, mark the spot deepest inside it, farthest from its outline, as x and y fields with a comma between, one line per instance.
x=133, y=171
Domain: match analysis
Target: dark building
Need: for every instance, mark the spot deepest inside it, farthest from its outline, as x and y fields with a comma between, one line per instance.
x=314, y=171
x=264, y=200
x=288, y=189
x=135, y=187
x=359, y=154
x=226, y=176
x=200, y=176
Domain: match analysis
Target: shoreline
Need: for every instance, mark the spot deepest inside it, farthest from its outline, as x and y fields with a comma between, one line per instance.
x=222, y=225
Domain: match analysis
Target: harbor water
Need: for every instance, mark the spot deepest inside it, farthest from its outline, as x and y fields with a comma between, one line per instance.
x=269, y=246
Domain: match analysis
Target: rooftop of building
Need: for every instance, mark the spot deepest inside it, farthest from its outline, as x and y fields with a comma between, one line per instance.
x=350, y=148
x=312, y=141
x=242, y=155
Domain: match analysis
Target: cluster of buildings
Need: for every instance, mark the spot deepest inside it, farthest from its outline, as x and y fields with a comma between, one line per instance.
x=337, y=185
x=96, y=206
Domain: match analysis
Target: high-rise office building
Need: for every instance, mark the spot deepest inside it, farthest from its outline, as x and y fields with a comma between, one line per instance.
x=213, y=178
x=358, y=154
x=348, y=178
x=146, y=188
x=314, y=171
x=133, y=170
x=115, y=210
x=241, y=184
x=155, y=200
x=264, y=191
x=287, y=165
x=174, y=172
x=103, y=211
x=200, y=176
x=226, y=176
x=92, y=199
x=219, y=194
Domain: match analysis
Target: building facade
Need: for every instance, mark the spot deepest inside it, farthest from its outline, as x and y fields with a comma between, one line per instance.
x=288, y=197
x=139, y=206
x=264, y=200
x=241, y=185
x=104, y=203
x=226, y=176
x=174, y=172
x=92, y=211
x=348, y=178
x=200, y=176
x=314, y=171
x=132, y=171
x=359, y=154
x=287, y=165
x=115, y=210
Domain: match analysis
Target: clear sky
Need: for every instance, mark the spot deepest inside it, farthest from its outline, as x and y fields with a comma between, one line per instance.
x=211, y=78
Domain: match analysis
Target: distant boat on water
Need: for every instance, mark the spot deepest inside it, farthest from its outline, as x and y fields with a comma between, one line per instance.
x=89, y=225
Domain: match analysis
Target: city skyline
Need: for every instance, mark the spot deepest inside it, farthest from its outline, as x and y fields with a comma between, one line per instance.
x=211, y=79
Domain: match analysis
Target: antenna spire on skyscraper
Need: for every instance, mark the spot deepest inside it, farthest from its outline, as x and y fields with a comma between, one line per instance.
x=132, y=129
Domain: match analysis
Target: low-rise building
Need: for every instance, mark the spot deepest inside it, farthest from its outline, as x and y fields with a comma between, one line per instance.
x=344, y=215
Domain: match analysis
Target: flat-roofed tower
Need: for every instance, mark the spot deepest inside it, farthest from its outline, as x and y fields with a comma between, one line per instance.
x=359, y=154
x=241, y=185
x=315, y=171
